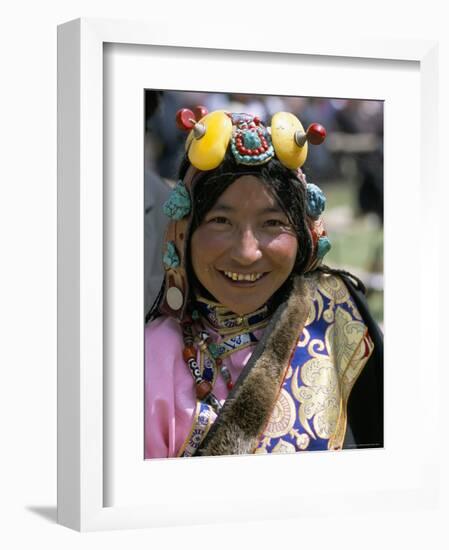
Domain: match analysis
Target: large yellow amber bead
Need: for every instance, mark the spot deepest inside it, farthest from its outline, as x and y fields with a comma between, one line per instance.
x=283, y=129
x=208, y=152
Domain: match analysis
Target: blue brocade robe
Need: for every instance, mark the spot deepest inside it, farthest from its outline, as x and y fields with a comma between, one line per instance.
x=293, y=395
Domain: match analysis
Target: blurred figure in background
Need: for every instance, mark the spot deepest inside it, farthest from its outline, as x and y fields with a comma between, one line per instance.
x=156, y=193
x=360, y=124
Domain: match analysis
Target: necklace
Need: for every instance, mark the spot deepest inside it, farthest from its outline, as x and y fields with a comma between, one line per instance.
x=203, y=387
x=236, y=333
x=226, y=322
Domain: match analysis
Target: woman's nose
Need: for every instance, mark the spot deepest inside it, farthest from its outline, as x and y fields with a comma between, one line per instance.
x=246, y=249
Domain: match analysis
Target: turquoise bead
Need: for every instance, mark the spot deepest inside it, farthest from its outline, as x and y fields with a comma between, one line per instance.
x=324, y=245
x=316, y=201
x=178, y=204
x=171, y=258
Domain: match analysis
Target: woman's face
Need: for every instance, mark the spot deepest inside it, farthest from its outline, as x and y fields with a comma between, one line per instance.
x=245, y=248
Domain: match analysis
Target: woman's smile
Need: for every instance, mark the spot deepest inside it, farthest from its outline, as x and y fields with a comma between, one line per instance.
x=245, y=248
x=242, y=279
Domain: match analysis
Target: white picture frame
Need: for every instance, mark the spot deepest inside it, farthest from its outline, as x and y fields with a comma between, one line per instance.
x=100, y=484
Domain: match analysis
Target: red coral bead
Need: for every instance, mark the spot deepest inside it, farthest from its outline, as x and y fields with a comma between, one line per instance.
x=230, y=385
x=203, y=389
x=183, y=121
x=200, y=112
x=316, y=134
x=187, y=319
x=188, y=353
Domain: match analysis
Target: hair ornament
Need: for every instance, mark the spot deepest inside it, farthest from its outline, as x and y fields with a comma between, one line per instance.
x=316, y=201
x=178, y=204
x=316, y=134
x=323, y=247
x=209, y=137
x=171, y=258
x=284, y=128
x=320, y=243
x=252, y=143
x=187, y=119
x=290, y=140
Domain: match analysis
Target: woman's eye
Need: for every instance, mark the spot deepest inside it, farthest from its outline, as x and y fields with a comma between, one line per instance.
x=219, y=219
x=275, y=223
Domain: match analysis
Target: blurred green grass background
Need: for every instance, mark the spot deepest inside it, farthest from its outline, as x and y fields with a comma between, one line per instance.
x=357, y=241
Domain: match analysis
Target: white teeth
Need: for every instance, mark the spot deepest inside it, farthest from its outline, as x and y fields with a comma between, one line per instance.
x=243, y=276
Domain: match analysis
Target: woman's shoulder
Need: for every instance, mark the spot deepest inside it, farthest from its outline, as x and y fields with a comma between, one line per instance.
x=332, y=284
x=339, y=289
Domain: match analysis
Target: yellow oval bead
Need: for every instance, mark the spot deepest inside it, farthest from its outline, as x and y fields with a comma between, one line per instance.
x=209, y=151
x=283, y=129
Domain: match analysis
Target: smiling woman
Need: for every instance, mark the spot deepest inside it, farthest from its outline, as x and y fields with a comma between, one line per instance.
x=254, y=346
x=245, y=248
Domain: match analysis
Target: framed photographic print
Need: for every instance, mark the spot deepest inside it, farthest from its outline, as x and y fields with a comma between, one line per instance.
x=253, y=251
x=107, y=74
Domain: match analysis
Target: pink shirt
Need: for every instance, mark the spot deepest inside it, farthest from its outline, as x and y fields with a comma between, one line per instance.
x=170, y=389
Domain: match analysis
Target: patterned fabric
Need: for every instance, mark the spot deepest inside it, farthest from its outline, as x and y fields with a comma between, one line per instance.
x=227, y=322
x=204, y=418
x=170, y=401
x=310, y=412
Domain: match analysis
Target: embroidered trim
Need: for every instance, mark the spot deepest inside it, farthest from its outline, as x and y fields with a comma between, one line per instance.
x=238, y=342
x=356, y=364
x=227, y=322
x=203, y=420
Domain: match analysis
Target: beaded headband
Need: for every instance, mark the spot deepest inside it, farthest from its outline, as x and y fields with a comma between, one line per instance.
x=252, y=144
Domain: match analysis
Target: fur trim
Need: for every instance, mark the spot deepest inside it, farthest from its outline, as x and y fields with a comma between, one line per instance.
x=248, y=407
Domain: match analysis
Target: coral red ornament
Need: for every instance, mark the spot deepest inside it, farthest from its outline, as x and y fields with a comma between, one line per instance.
x=185, y=119
x=203, y=389
x=316, y=134
x=188, y=353
x=200, y=111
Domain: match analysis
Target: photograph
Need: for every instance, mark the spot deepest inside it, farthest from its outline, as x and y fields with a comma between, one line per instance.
x=263, y=274
x=248, y=273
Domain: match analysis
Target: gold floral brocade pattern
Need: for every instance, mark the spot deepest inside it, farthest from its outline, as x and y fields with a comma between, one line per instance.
x=283, y=416
x=331, y=352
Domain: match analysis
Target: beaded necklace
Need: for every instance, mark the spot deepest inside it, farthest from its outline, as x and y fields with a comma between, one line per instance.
x=237, y=332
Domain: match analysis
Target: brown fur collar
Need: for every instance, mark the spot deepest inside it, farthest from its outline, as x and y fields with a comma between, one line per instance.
x=249, y=405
